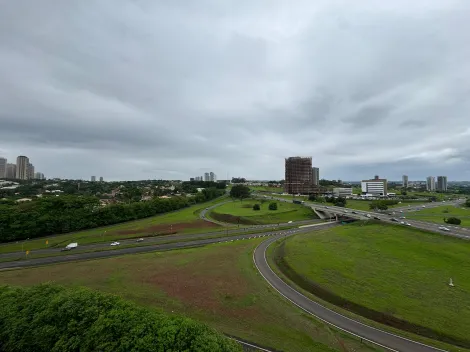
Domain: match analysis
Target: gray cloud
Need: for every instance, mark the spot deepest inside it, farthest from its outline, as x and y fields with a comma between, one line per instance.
x=142, y=89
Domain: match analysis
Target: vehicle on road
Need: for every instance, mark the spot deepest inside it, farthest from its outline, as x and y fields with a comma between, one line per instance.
x=289, y=222
x=402, y=222
x=376, y=218
x=368, y=215
x=139, y=240
x=393, y=219
x=115, y=244
x=408, y=224
x=70, y=246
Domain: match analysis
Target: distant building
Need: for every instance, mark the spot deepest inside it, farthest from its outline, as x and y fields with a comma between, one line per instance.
x=93, y=178
x=442, y=183
x=3, y=168
x=298, y=175
x=191, y=179
x=404, y=181
x=11, y=171
x=30, y=171
x=39, y=176
x=342, y=192
x=316, y=176
x=376, y=186
x=22, y=167
x=212, y=177
x=430, y=183
x=101, y=179
x=206, y=177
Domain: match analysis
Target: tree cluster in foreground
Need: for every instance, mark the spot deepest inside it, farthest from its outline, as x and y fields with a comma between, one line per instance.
x=57, y=319
x=55, y=215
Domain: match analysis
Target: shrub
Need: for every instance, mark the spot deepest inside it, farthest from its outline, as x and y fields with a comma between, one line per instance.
x=52, y=318
x=453, y=221
x=273, y=206
x=256, y=207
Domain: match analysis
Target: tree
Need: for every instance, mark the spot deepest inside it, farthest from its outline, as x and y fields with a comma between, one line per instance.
x=453, y=221
x=273, y=206
x=312, y=197
x=256, y=207
x=240, y=191
x=53, y=318
x=467, y=203
x=381, y=205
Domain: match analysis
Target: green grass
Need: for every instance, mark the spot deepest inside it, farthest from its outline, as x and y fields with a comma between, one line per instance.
x=267, y=189
x=399, y=271
x=216, y=284
x=438, y=214
x=284, y=213
x=111, y=233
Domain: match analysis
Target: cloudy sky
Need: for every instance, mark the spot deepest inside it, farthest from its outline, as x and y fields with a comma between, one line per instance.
x=171, y=89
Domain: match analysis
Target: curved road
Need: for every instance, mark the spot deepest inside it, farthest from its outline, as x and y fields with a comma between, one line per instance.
x=356, y=328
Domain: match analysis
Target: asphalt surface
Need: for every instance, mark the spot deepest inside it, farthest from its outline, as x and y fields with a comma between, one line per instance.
x=142, y=249
x=376, y=336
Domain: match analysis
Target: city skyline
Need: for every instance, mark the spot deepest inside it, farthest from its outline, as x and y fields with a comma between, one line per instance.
x=126, y=113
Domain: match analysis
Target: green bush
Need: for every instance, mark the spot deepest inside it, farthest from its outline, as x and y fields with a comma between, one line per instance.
x=56, y=319
x=273, y=206
x=453, y=221
x=256, y=207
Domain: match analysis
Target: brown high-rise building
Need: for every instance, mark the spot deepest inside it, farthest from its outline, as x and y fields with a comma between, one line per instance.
x=299, y=176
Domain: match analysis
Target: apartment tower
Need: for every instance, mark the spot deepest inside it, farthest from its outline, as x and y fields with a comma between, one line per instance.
x=22, y=167
x=430, y=183
x=11, y=171
x=316, y=176
x=298, y=175
x=3, y=167
x=442, y=183
x=404, y=181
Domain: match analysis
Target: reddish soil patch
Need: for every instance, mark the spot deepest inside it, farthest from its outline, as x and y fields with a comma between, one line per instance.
x=212, y=284
x=169, y=228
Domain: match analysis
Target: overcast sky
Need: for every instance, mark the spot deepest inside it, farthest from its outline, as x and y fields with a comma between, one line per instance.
x=172, y=89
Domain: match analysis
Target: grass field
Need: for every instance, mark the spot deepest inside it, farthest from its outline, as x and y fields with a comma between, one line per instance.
x=267, y=189
x=182, y=221
x=438, y=214
x=216, y=284
x=231, y=212
x=401, y=272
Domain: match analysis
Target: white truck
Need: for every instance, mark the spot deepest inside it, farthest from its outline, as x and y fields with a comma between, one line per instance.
x=70, y=246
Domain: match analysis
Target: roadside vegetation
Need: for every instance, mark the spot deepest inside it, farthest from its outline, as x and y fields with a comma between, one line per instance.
x=442, y=215
x=178, y=222
x=53, y=318
x=393, y=275
x=217, y=285
x=269, y=212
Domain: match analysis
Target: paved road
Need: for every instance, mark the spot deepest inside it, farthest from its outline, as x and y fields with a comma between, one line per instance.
x=143, y=249
x=379, y=337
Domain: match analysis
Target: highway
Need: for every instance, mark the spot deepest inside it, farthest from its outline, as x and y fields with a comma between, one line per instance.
x=395, y=213
x=376, y=336
x=147, y=248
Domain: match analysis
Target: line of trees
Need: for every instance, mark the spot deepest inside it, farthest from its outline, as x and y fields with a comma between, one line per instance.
x=53, y=318
x=382, y=204
x=54, y=215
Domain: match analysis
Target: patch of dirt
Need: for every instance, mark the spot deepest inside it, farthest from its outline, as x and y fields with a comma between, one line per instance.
x=212, y=284
x=169, y=228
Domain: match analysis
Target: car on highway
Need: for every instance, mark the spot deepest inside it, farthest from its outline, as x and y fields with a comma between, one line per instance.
x=402, y=217
x=376, y=218
x=115, y=244
x=408, y=224
x=368, y=215
x=139, y=240
x=346, y=211
x=354, y=212
x=402, y=222
x=393, y=219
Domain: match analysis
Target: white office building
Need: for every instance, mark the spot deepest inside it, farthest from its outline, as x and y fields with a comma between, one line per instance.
x=430, y=184
x=342, y=192
x=375, y=187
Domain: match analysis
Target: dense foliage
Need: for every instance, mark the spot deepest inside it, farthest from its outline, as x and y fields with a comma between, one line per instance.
x=256, y=207
x=54, y=215
x=53, y=318
x=382, y=204
x=238, y=180
x=453, y=221
x=337, y=201
x=240, y=191
x=192, y=186
x=467, y=202
x=273, y=206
